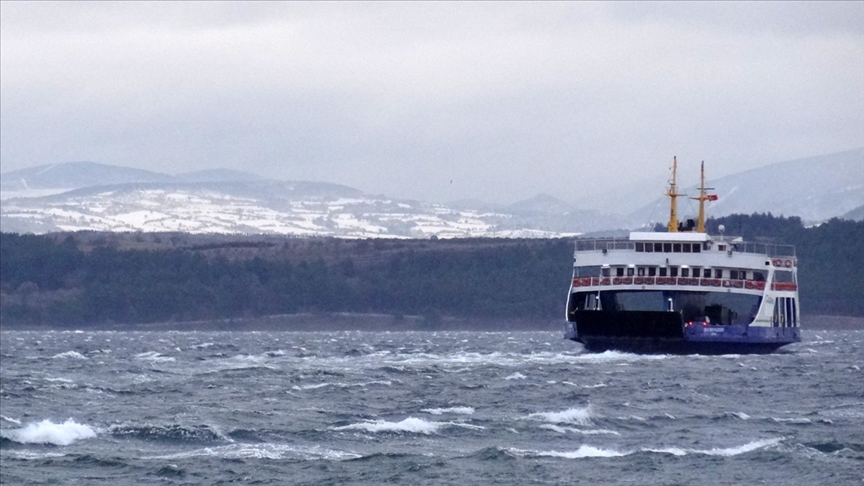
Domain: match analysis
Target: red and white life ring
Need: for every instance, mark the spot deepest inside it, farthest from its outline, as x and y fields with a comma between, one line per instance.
x=788, y=263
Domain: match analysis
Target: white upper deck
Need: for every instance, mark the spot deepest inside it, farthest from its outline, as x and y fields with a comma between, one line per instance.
x=679, y=236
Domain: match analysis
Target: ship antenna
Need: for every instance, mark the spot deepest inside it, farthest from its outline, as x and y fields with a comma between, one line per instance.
x=703, y=196
x=672, y=192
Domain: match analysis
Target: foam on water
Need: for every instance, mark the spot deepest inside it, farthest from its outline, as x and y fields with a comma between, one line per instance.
x=579, y=416
x=608, y=356
x=154, y=356
x=264, y=451
x=459, y=410
x=727, y=452
x=564, y=430
x=10, y=420
x=411, y=424
x=70, y=354
x=47, y=432
x=515, y=376
x=583, y=452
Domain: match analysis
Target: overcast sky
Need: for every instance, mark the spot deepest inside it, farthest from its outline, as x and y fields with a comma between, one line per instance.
x=434, y=101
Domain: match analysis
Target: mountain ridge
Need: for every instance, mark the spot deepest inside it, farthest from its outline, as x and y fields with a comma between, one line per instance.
x=112, y=198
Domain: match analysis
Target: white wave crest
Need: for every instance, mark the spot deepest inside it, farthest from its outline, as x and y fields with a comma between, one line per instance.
x=591, y=451
x=564, y=430
x=265, y=451
x=515, y=376
x=10, y=420
x=794, y=421
x=70, y=354
x=579, y=416
x=154, y=356
x=727, y=452
x=411, y=424
x=439, y=411
x=341, y=385
x=583, y=451
x=47, y=432
x=608, y=356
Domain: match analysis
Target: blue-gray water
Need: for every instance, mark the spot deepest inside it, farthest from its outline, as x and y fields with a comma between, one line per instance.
x=422, y=408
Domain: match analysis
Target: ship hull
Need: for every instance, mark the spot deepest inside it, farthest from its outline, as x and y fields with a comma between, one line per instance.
x=665, y=332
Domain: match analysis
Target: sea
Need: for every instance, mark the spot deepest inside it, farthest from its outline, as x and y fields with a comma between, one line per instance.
x=467, y=408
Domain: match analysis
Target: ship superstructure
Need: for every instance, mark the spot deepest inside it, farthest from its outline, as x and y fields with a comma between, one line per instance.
x=683, y=291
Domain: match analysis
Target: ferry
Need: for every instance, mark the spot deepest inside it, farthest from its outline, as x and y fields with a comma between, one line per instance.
x=683, y=291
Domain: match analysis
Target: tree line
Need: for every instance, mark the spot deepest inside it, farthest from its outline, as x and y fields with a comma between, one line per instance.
x=57, y=280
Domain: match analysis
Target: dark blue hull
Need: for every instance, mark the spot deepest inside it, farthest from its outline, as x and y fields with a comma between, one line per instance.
x=665, y=332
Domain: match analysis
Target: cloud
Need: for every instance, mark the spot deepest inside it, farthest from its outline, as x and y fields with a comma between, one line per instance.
x=504, y=100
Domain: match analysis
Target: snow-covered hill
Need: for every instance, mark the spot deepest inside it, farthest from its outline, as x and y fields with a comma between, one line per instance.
x=88, y=196
x=295, y=208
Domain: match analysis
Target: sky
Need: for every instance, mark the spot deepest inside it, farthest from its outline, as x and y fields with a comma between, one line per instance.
x=584, y=101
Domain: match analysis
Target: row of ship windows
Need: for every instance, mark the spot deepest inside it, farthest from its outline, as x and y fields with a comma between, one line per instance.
x=675, y=247
x=672, y=271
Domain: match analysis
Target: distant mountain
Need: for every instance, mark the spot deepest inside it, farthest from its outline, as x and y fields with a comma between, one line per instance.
x=814, y=188
x=219, y=175
x=856, y=214
x=73, y=175
x=91, y=196
x=253, y=206
x=542, y=203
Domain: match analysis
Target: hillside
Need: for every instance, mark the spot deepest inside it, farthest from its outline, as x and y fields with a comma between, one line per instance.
x=90, y=278
x=85, y=196
x=814, y=189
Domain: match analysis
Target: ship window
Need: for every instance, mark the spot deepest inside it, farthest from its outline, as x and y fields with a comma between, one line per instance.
x=640, y=247
x=676, y=247
x=783, y=276
x=667, y=247
x=759, y=276
x=673, y=271
x=686, y=248
x=605, y=271
x=697, y=272
x=685, y=272
x=794, y=314
x=733, y=274
x=619, y=272
x=588, y=271
x=718, y=273
x=652, y=271
x=721, y=247
x=696, y=248
x=706, y=246
x=662, y=271
x=630, y=271
x=649, y=247
x=640, y=271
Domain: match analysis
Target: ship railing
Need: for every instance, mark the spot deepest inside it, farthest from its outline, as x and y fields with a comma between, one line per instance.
x=608, y=244
x=599, y=244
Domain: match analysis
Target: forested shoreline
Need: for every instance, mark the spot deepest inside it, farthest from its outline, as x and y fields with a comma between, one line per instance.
x=97, y=279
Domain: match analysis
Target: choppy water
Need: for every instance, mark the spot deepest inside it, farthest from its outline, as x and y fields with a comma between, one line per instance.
x=422, y=408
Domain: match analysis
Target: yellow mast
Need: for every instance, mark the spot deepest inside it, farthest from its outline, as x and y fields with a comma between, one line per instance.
x=672, y=192
x=703, y=196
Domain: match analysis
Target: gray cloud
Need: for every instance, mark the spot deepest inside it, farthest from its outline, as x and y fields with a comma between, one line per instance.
x=435, y=101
